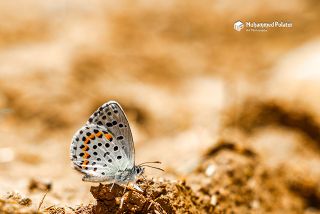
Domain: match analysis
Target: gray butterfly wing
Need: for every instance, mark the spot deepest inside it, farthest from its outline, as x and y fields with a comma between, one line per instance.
x=112, y=117
x=96, y=153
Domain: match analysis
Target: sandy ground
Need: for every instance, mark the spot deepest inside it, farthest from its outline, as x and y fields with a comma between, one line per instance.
x=231, y=115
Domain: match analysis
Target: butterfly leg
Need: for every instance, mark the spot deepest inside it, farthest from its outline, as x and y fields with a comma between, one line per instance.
x=150, y=205
x=122, y=198
x=135, y=186
x=125, y=187
x=121, y=202
x=112, y=186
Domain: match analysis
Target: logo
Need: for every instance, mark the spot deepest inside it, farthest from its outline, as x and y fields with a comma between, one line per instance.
x=238, y=26
x=261, y=26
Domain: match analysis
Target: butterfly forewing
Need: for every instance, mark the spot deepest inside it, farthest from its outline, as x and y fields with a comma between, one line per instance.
x=111, y=116
x=96, y=152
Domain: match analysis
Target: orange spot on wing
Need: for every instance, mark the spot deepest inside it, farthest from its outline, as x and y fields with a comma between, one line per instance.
x=108, y=136
x=85, y=148
x=85, y=164
x=86, y=155
x=87, y=140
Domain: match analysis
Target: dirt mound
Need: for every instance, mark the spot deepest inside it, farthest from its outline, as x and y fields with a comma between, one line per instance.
x=230, y=179
x=157, y=197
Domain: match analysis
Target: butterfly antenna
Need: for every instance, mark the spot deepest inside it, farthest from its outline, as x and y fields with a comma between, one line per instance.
x=153, y=167
x=150, y=162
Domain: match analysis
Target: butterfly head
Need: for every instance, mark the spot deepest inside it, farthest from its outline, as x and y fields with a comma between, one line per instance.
x=139, y=170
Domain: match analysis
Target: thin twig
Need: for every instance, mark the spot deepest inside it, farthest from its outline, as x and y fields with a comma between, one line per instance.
x=42, y=201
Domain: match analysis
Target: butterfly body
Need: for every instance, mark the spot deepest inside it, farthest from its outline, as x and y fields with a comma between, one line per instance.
x=120, y=177
x=103, y=148
x=128, y=175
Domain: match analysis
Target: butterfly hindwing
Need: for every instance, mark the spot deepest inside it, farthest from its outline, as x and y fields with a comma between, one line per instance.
x=96, y=153
x=111, y=116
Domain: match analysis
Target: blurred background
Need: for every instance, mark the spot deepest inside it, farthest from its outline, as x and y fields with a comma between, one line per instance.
x=185, y=78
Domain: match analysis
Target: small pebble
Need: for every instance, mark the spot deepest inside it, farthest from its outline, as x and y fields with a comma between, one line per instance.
x=211, y=169
x=255, y=204
x=213, y=200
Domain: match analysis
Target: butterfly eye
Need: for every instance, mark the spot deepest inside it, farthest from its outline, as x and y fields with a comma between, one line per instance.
x=138, y=170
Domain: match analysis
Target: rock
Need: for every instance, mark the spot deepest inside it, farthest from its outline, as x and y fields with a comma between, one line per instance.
x=158, y=197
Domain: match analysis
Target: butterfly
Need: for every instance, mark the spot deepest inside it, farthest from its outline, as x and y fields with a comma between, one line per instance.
x=103, y=149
